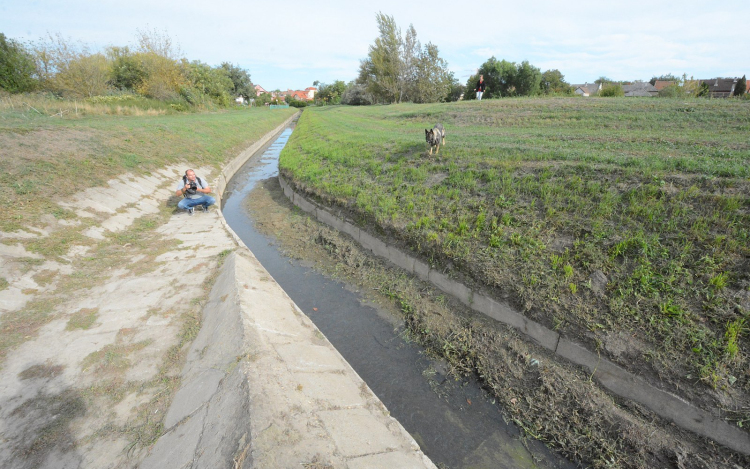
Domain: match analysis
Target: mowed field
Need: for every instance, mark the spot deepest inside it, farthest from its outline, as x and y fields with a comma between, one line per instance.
x=623, y=223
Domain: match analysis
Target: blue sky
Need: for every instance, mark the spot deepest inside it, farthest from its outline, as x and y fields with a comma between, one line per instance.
x=289, y=45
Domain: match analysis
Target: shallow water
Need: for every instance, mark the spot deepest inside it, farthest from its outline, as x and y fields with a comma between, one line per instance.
x=455, y=423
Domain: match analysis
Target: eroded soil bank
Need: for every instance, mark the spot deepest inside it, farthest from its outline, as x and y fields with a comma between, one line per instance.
x=550, y=400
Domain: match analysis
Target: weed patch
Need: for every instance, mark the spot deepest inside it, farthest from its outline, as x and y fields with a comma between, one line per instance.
x=82, y=319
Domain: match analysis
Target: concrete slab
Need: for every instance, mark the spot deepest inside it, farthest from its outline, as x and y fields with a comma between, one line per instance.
x=177, y=447
x=399, y=459
x=401, y=259
x=193, y=395
x=357, y=432
x=422, y=270
x=306, y=357
x=378, y=247
x=450, y=286
x=318, y=386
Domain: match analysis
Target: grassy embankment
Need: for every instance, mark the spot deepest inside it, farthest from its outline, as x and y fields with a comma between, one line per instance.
x=609, y=220
x=51, y=150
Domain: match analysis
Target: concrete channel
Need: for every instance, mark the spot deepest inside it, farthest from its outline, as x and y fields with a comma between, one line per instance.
x=263, y=388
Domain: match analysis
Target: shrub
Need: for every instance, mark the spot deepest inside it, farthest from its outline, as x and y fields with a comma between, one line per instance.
x=612, y=90
x=16, y=66
x=672, y=91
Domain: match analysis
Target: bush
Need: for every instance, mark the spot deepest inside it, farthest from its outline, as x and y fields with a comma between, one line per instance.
x=612, y=90
x=672, y=91
x=356, y=95
x=16, y=67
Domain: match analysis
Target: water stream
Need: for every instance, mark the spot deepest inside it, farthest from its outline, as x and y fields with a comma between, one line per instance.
x=458, y=426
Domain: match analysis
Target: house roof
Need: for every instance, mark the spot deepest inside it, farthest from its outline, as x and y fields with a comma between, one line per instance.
x=301, y=95
x=638, y=93
x=661, y=84
x=588, y=88
x=640, y=86
x=720, y=85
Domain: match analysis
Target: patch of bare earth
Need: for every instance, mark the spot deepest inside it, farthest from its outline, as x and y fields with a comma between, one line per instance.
x=550, y=400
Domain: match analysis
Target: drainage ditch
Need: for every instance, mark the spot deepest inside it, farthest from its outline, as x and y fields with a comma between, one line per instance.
x=457, y=426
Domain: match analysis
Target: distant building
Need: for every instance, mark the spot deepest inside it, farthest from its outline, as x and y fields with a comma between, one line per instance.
x=308, y=94
x=587, y=89
x=661, y=84
x=640, y=89
x=720, y=87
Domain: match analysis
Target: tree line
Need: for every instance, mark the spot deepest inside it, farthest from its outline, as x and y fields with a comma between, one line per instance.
x=153, y=68
x=398, y=68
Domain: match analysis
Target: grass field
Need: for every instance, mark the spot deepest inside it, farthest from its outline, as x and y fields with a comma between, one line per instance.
x=609, y=220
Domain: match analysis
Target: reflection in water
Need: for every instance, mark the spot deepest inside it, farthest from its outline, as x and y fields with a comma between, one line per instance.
x=455, y=423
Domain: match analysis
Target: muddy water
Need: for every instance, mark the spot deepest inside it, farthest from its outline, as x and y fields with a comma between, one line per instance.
x=455, y=422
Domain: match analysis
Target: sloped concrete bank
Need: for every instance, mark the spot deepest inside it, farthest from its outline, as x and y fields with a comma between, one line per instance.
x=262, y=386
x=608, y=374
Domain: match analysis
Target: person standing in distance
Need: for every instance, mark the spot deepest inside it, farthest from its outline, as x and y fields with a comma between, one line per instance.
x=480, y=87
x=194, y=191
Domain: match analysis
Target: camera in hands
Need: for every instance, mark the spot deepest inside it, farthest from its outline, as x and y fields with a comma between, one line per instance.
x=191, y=188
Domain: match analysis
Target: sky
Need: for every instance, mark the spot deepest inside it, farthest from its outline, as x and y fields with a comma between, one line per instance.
x=292, y=44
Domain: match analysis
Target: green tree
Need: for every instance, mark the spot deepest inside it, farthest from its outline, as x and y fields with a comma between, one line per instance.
x=242, y=85
x=164, y=70
x=86, y=76
x=128, y=70
x=741, y=87
x=330, y=93
x=211, y=82
x=457, y=91
x=356, y=95
x=398, y=68
x=703, y=90
x=263, y=99
x=498, y=79
x=17, y=67
x=612, y=90
x=553, y=81
x=432, y=80
x=503, y=78
x=380, y=72
x=68, y=68
x=527, y=79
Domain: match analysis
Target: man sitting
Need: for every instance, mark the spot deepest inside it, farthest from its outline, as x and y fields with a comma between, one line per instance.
x=194, y=191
